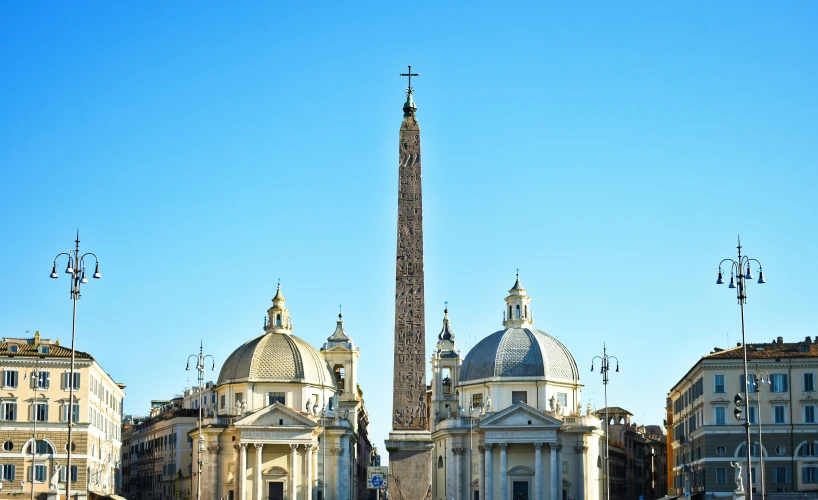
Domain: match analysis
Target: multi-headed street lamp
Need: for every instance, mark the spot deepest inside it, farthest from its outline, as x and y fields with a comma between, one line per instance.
x=758, y=375
x=76, y=268
x=738, y=281
x=200, y=367
x=605, y=361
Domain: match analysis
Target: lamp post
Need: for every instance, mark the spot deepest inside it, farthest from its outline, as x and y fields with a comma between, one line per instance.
x=200, y=367
x=605, y=362
x=758, y=375
x=738, y=281
x=75, y=268
x=35, y=377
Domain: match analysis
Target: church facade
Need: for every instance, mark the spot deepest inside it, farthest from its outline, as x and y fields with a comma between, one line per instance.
x=507, y=421
x=289, y=420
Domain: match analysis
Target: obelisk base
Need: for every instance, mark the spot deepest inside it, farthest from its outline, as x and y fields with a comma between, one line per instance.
x=410, y=465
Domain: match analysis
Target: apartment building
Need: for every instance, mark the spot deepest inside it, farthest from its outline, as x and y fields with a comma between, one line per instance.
x=34, y=415
x=705, y=438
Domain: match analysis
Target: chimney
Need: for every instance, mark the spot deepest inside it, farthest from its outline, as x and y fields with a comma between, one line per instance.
x=808, y=340
x=37, y=338
x=738, y=344
x=780, y=340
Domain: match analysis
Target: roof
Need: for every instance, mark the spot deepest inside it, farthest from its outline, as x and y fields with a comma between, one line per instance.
x=28, y=347
x=276, y=357
x=771, y=350
x=519, y=352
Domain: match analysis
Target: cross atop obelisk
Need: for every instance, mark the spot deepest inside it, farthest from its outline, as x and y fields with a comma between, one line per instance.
x=410, y=75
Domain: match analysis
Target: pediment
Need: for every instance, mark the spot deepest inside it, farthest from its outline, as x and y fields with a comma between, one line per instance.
x=276, y=415
x=520, y=415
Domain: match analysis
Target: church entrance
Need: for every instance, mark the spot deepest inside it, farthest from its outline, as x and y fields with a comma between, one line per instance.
x=519, y=490
x=275, y=491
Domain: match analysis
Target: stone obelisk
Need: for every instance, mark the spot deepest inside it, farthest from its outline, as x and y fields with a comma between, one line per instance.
x=410, y=442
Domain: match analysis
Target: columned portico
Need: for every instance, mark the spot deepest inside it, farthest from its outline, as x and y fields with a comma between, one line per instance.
x=489, y=486
x=503, y=472
x=537, y=469
x=308, y=467
x=257, y=479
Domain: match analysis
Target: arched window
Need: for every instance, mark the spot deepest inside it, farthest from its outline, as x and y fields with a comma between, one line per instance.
x=525, y=310
x=439, y=462
x=518, y=311
x=509, y=312
x=278, y=320
x=339, y=376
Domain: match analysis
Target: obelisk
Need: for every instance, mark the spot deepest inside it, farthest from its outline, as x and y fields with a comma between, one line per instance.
x=410, y=442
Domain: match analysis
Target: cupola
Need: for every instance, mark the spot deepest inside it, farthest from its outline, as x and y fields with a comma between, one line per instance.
x=518, y=307
x=278, y=317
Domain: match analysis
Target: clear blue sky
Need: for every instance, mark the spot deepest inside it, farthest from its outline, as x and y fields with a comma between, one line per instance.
x=206, y=149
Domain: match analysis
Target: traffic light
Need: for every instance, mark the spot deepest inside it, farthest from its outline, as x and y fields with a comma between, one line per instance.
x=738, y=413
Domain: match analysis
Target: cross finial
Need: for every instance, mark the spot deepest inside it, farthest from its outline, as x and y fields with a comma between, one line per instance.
x=410, y=75
x=447, y=305
x=518, y=272
x=340, y=310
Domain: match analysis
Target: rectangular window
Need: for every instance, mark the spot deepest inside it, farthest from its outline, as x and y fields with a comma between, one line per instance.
x=8, y=472
x=41, y=380
x=67, y=376
x=781, y=475
x=753, y=382
x=562, y=397
x=213, y=398
x=10, y=379
x=721, y=475
x=809, y=475
x=41, y=447
x=64, y=413
x=779, y=414
x=477, y=400
x=275, y=397
x=719, y=415
x=718, y=384
x=74, y=473
x=752, y=414
x=519, y=397
x=753, y=475
x=223, y=399
x=778, y=382
x=809, y=414
x=39, y=473
x=8, y=410
x=809, y=382
x=41, y=412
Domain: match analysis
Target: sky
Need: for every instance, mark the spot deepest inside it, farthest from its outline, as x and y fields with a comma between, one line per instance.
x=611, y=152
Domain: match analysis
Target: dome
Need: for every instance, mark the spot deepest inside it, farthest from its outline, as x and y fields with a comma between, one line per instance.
x=276, y=357
x=519, y=352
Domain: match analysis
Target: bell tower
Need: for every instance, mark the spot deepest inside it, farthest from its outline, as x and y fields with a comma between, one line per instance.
x=446, y=363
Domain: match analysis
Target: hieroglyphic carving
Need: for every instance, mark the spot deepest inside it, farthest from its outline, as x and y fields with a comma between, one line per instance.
x=409, y=382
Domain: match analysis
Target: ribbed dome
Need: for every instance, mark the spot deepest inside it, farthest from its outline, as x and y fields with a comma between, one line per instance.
x=519, y=352
x=276, y=357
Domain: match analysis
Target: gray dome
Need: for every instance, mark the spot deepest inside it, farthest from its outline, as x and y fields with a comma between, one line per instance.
x=276, y=357
x=519, y=352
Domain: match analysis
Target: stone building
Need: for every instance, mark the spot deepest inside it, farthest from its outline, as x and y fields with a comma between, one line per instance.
x=35, y=393
x=289, y=420
x=507, y=421
x=156, y=453
x=705, y=437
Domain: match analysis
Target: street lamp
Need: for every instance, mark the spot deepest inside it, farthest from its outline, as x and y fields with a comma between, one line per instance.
x=605, y=361
x=76, y=268
x=35, y=377
x=758, y=375
x=738, y=281
x=200, y=367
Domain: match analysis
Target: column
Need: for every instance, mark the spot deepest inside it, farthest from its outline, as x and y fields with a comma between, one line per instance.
x=257, y=479
x=537, y=469
x=342, y=469
x=553, y=479
x=581, y=472
x=481, y=476
x=243, y=470
x=458, y=485
x=308, y=478
x=503, y=471
x=293, y=471
x=488, y=494
x=559, y=470
x=237, y=473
